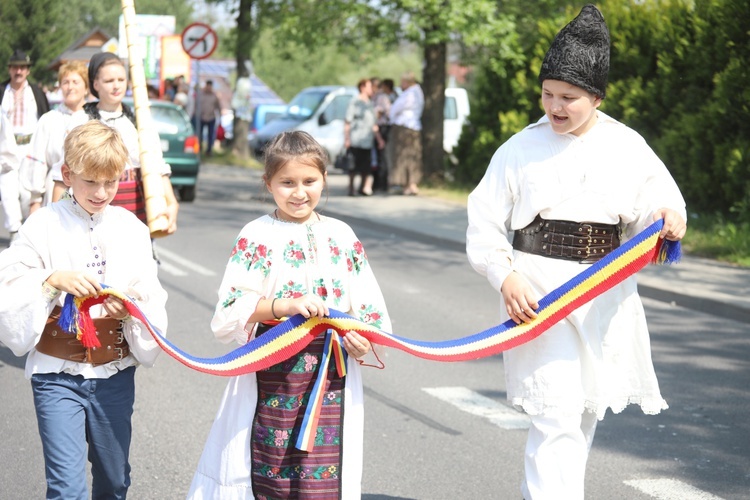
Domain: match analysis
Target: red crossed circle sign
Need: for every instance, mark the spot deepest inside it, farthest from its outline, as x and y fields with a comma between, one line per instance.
x=199, y=40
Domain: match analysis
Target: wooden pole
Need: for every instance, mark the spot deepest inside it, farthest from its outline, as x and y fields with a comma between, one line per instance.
x=153, y=184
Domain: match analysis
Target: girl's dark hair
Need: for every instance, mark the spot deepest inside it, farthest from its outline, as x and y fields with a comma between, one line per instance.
x=295, y=146
x=362, y=83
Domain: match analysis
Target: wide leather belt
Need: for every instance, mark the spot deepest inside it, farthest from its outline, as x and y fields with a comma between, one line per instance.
x=584, y=242
x=60, y=344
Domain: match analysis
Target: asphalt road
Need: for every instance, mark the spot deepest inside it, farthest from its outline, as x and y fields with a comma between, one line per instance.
x=432, y=431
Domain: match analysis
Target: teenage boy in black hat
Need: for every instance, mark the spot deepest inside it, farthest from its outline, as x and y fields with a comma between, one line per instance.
x=575, y=165
x=23, y=104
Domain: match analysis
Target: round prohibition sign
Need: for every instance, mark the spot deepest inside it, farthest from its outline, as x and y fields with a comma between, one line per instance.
x=199, y=40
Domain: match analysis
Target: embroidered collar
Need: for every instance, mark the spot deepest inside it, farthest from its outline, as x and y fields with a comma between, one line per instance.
x=78, y=210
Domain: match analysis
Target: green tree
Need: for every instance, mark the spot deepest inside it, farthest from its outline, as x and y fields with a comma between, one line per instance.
x=37, y=29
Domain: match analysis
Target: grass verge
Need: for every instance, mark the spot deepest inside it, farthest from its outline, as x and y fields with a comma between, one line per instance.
x=224, y=156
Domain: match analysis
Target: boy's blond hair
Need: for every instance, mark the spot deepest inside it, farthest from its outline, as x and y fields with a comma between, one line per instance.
x=95, y=150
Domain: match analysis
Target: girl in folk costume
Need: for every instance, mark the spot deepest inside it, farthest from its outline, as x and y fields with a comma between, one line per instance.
x=108, y=80
x=291, y=261
x=557, y=195
x=41, y=169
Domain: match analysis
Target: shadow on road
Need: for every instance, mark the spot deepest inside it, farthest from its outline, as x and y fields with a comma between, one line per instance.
x=8, y=358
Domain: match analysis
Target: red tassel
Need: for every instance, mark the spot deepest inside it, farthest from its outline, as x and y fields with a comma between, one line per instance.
x=86, y=329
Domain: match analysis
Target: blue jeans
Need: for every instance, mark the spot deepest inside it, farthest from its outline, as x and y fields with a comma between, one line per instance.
x=211, y=125
x=72, y=412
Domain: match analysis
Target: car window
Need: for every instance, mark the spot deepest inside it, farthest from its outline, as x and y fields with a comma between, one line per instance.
x=451, y=111
x=305, y=104
x=169, y=120
x=271, y=115
x=337, y=109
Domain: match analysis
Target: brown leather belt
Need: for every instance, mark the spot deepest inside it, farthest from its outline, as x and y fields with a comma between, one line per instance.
x=60, y=344
x=585, y=242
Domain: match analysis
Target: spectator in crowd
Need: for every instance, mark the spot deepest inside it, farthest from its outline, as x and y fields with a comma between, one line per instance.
x=169, y=89
x=210, y=109
x=360, y=133
x=405, y=151
x=23, y=104
x=181, y=97
x=382, y=100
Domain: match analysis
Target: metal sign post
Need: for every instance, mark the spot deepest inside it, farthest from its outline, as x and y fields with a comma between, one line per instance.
x=199, y=41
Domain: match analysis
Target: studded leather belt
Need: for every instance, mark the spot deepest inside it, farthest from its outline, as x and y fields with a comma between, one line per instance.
x=584, y=242
x=60, y=344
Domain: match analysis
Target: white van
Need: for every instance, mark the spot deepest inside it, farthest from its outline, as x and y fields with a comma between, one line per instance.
x=456, y=112
x=320, y=111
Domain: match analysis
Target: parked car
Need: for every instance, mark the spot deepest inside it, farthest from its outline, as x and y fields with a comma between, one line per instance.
x=320, y=111
x=179, y=145
x=262, y=114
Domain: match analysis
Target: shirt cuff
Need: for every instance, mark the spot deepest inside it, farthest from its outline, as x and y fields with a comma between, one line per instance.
x=497, y=274
x=49, y=292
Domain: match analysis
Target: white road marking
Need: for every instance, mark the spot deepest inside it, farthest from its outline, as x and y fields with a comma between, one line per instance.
x=189, y=264
x=476, y=404
x=670, y=489
x=170, y=269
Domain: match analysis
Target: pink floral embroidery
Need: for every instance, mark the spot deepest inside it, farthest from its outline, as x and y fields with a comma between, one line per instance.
x=280, y=437
x=310, y=362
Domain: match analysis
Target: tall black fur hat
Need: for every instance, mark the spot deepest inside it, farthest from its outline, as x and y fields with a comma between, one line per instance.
x=579, y=54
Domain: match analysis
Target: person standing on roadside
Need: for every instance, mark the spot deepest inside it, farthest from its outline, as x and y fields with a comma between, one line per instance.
x=406, y=137
x=360, y=133
x=557, y=197
x=23, y=104
x=382, y=101
x=210, y=108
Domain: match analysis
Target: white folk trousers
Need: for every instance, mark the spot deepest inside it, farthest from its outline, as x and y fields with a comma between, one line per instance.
x=557, y=449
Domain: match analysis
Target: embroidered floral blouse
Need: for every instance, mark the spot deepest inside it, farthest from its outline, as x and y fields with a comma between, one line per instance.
x=273, y=258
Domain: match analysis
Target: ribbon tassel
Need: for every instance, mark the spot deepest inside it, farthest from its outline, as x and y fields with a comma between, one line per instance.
x=309, y=427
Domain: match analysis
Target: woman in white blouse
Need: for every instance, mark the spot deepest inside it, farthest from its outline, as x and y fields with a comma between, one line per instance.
x=40, y=170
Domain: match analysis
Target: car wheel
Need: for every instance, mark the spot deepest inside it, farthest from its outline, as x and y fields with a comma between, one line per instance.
x=187, y=193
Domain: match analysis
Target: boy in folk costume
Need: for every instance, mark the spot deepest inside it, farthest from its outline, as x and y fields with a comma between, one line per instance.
x=83, y=396
x=574, y=170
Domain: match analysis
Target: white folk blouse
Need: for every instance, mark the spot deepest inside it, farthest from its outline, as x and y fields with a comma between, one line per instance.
x=114, y=246
x=598, y=357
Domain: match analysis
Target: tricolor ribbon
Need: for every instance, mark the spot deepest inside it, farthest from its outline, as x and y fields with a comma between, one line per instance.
x=291, y=336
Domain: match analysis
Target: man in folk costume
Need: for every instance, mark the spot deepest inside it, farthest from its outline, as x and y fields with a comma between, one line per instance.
x=574, y=171
x=22, y=104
